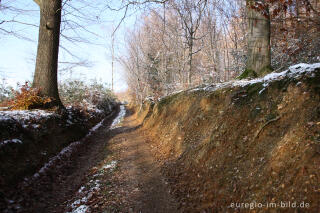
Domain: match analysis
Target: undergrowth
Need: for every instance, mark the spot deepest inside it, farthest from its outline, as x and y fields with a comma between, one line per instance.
x=26, y=98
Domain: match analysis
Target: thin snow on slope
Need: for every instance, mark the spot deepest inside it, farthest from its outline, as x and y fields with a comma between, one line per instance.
x=25, y=115
x=93, y=129
x=64, y=153
x=294, y=72
x=96, y=126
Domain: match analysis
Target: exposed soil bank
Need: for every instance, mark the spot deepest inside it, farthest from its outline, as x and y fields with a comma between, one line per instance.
x=241, y=143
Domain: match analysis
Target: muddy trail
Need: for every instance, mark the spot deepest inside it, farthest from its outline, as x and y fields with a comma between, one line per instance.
x=110, y=170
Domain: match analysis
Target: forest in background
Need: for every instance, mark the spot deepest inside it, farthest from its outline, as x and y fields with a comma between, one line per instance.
x=182, y=43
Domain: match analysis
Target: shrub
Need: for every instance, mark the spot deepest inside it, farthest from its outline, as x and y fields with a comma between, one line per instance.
x=5, y=92
x=87, y=96
x=26, y=98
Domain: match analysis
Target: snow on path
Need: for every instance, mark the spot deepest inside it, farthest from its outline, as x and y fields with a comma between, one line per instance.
x=81, y=209
x=87, y=191
x=119, y=118
x=79, y=205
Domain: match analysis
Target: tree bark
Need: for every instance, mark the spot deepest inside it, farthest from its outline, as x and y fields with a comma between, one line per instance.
x=259, y=52
x=45, y=77
x=190, y=44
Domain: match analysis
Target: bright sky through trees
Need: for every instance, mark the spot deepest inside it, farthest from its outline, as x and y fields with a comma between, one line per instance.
x=92, y=46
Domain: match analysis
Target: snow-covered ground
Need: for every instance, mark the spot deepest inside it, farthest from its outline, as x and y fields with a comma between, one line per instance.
x=25, y=115
x=25, y=118
x=15, y=140
x=36, y=121
x=294, y=72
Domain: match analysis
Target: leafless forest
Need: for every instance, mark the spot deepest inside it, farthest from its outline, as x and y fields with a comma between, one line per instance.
x=184, y=43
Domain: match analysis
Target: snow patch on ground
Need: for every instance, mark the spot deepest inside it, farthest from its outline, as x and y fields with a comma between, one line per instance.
x=81, y=209
x=112, y=165
x=2, y=143
x=86, y=192
x=96, y=127
x=24, y=116
x=79, y=204
x=81, y=189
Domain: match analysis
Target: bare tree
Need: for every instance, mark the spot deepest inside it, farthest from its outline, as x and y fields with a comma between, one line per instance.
x=162, y=45
x=191, y=14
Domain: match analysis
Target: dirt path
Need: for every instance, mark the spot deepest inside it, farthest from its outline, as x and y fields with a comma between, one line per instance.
x=129, y=177
x=111, y=170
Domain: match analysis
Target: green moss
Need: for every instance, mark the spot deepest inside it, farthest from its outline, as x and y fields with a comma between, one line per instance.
x=255, y=112
x=264, y=71
x=253, y=89
x=281, y=85
x=314, y=82
x=165, y=101
x=248, y=73
x=270, y=116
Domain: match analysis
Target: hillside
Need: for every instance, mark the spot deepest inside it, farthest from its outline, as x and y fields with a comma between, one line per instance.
x=241, y=143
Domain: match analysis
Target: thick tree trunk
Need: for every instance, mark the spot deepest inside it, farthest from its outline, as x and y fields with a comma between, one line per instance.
x=45, y=77
x=259, y=52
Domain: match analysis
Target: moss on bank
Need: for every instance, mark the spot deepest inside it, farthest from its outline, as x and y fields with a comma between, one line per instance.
x=250, y=73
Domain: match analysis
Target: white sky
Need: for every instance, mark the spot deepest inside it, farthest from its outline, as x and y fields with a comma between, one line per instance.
x=17, y=56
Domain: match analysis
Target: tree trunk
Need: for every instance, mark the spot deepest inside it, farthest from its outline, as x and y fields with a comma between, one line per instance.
x=45, y=77
x=190, y=44
x=259, y=52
